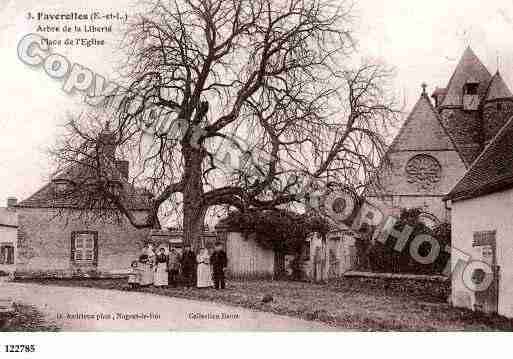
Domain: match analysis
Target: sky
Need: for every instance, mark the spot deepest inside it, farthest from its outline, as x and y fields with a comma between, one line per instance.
x=423, y=41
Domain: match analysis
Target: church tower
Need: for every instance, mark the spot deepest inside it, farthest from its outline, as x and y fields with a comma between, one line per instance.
x=437, y=144
x=459, y=105
x=497, y=108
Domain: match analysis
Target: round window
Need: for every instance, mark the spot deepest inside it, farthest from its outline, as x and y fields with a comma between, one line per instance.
x=424, y=171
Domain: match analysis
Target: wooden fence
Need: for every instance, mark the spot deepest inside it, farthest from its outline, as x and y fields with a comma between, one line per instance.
x=247, y=259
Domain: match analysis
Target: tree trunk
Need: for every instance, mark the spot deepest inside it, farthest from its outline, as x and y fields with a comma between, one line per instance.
x=193, y=221
x=193, y=207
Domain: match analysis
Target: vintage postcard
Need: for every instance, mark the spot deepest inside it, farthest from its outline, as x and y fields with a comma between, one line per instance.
x=255, y=165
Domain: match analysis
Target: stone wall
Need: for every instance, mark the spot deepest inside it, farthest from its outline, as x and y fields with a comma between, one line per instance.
x=465, y=128
x=44, y=244
x=424, y=163
x=494, y=119
x=400, y=191
x=451, y=170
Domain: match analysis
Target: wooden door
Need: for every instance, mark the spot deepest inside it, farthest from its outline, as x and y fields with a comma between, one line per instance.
x=279, y=264
x=487, y=300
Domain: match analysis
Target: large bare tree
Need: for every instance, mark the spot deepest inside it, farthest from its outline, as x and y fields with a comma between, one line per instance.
x=233, y=102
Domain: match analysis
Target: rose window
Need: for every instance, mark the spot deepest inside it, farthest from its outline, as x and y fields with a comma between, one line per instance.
x=423, y=171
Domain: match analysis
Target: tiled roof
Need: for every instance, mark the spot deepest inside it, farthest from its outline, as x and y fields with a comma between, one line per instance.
x=46, y=197
x=492, y=171
x=423, y=117
x=469, y=69
x=8, y=217
x=85, y=175
x=498, y=88
x=425, y=112
x=468, y=152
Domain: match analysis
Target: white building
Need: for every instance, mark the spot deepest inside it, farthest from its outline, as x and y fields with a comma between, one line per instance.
x=482, y=229
x=8, y=236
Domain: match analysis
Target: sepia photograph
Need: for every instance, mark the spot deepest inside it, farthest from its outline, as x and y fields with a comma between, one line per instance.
x=255, y=165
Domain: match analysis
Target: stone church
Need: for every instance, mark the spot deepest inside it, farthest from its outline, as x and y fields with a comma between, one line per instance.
x=440, y=140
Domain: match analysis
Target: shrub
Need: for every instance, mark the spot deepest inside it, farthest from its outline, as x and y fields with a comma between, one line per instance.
x=383, y=257
x=276, y=228
x=282, y=230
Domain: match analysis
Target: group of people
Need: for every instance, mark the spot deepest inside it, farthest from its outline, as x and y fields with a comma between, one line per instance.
x=204, y=270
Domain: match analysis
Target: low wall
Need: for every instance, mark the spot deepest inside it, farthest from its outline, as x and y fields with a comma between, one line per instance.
x=434, y=278
x=68, y=274
x=425, y=287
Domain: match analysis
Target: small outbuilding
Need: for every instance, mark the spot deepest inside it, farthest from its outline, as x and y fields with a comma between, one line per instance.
x=301, y=252
x=482, y=230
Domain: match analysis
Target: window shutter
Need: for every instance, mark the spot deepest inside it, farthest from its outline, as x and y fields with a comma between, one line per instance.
x=483, y=238
x=95, y=255
x=2, y=254
x=10, y=255
x=72, y=246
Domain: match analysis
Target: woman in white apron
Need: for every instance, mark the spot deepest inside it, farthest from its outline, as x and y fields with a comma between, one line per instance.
x=145, y=270
x=161, y=269
x=204, y=269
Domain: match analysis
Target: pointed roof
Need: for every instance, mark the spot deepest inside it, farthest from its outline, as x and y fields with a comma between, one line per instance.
x=469, y=69
x=492, y=171
x=425, y=118
x=498, y=88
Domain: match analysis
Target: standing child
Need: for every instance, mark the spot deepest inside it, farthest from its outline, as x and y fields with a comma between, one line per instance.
x=161, y=269
x=173, y=266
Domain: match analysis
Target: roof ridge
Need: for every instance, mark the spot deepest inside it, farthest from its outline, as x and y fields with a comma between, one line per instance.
x=408, y=119
x=438, y=118
x=29, y=198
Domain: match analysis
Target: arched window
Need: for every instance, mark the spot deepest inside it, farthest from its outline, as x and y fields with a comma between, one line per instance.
x=429, y=219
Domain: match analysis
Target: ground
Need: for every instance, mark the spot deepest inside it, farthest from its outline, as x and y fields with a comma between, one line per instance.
x=352, y=303
x=25, y=318
x=91, y=309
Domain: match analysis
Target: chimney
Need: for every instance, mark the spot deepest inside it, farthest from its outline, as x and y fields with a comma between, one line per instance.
x=12, y=202
x=107, y=142
x=123, y=168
